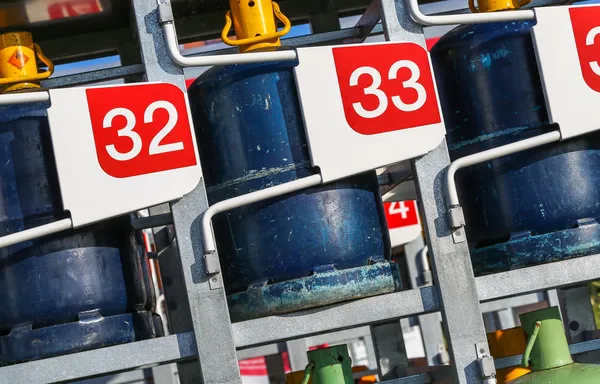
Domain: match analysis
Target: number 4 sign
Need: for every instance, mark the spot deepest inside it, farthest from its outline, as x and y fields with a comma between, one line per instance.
x=403, y=221
x=122, y=148
x=367, y=105
x=567, y=44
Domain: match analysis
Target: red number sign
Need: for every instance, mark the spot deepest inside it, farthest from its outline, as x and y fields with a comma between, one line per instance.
x=401, y=213
x=386, y=87
x=72, y=8
x=140, y=129
x=586, y=28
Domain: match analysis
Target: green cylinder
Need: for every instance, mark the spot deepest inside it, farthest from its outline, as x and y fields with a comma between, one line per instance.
x=331, y=365
x=547, y=352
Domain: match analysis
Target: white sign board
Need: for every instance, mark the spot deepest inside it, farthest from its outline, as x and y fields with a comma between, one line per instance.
x=122, y=148
x=368, y=105
x=567, y=44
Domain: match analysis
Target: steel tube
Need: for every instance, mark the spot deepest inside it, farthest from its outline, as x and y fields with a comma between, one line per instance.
x=34, y=233
x=24, y=98
x=253, y=197
x=475, y=18
x=201, y=61
x=491, y=154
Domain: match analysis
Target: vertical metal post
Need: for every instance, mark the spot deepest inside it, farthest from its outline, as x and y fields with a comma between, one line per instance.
x=453, y=272
x=451, y=264
x=578, y=318
x=297, y=354
x=208, y=306
x=275, y=369
x=431, y=323
x=392, y=361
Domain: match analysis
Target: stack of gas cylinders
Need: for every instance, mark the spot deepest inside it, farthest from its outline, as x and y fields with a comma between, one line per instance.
x=531, y=207
x=76, y=290
x=314, y=247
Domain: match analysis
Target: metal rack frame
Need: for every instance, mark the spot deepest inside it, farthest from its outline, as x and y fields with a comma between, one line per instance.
x=203, y=331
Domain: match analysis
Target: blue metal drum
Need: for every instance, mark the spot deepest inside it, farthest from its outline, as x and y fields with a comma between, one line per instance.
x=314, y=247
x=50, y=286
x=531, y=207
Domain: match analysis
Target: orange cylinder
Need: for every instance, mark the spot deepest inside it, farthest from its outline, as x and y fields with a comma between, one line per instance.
x=508, y=342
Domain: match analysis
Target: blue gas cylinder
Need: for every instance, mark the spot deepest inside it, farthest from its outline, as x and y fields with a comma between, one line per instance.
x=251, y=136
x=52, y=286
x=534, y=206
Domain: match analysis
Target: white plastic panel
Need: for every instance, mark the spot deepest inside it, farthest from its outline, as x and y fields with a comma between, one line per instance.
x=568, y=51
x=367, y=105
x=122, y=148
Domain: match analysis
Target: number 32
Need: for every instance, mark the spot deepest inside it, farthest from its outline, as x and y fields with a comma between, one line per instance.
x=155, y=145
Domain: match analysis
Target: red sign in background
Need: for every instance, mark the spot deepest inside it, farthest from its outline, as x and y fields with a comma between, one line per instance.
x=401, y=213
x=73, y=8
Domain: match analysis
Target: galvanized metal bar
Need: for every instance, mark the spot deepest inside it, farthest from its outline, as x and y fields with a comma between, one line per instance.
x=153, y=221
x=575, y=349
x=422, y=378
x=208, y=307
x=451, y=263
x=347, y=35
x=340, y=316
x=452, y=270
x=512, y=302
x=368, y=20
x=297, y=354
x=392, y=361
x=578, y=318
x=93, y=76
x=102, y=361
x=430, y=324
x=263, y=350
x=538, y=278
x=577, y=312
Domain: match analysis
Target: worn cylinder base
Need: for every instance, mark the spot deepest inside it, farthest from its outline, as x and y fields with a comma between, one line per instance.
x=92, y=331
x=523, y=249
x=325, y=286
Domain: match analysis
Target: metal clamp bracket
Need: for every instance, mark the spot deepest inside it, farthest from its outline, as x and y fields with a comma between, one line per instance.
x=487, y=368
x=211, y=259
x=165, y=15
x=456, y=218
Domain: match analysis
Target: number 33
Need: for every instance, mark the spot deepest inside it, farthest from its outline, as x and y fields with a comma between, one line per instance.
x=374, y=90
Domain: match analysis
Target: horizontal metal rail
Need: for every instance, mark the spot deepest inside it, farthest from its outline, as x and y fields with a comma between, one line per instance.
x=34, y=233
x=475, y=18
x=24, y=98
x=118, y=358
x=253, y=197
x=575, y=349
x=168, y=26
x=491, y=154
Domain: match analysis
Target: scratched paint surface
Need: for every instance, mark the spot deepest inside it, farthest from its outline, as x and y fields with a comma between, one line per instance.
x=491, y=95
x=251, y=136
x=24, y=343
x=324, y=287
x=47, y=285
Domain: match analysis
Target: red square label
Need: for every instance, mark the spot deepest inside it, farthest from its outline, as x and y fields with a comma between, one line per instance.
x=386, y=87
x=401, y=213
x=586, y=28
x=72, y=8
x=141, y=129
